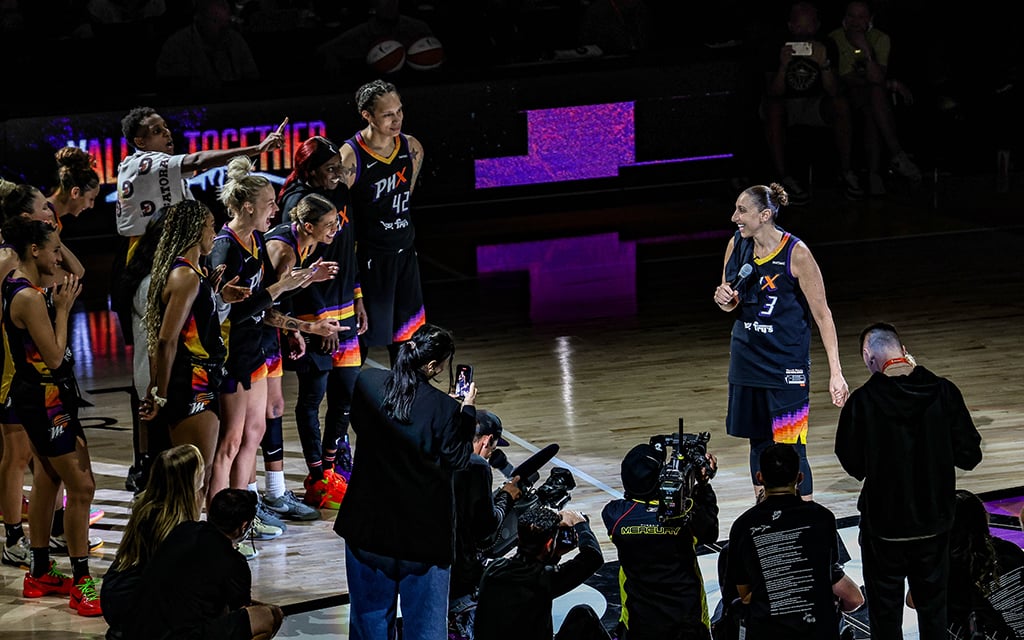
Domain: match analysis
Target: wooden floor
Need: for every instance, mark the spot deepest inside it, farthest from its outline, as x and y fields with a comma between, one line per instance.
x=942, y=263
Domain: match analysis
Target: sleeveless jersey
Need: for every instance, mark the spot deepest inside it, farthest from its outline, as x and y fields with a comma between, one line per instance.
x=334, y=298
x=200, y=340
x=287, y=233
x=29, y=367
x=771, y=338
x=380, y=196
x=244, y=324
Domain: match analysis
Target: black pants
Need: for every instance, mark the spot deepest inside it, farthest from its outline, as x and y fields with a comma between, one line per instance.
x=924, y=564
x=582, y=623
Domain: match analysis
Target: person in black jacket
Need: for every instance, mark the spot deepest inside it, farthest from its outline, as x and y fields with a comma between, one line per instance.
x=480, y=511
x=659, y=574
x=398, y=516
x=516, y=592
x=903, y=432
x=218, y=600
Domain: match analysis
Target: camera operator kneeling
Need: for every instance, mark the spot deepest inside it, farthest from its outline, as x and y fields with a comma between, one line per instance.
x=516, y=593
x=659, y=575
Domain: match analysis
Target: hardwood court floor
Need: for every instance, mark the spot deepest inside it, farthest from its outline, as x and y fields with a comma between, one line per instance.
x=942, y=264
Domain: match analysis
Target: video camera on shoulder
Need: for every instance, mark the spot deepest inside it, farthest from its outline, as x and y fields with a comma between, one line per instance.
x=685, y=465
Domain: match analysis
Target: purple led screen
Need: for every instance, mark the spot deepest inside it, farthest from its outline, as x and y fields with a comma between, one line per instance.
x=568, y=143
x=572, y=143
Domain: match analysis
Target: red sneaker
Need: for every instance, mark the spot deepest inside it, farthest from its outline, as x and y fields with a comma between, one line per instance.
x=326, y=493
x=85, y=597
x=51, y=583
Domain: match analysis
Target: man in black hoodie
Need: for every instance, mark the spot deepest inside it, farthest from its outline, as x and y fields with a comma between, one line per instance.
x=902, y=433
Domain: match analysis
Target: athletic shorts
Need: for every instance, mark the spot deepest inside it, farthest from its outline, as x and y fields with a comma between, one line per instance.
x=192, y=390
x=49, y=412
x=230, y=384
x=275, y=368
x=347, y=354
x=390, y=284
x=779, y=414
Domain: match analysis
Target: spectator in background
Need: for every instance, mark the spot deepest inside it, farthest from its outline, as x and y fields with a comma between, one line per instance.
x=862, y=64
x=986, y=577
x=802, y=88
x=209, y=54
x=904, y=432
x=618, y=26
x=212, y=594
x=784, y=558
x=346, y=54
x=174, y=496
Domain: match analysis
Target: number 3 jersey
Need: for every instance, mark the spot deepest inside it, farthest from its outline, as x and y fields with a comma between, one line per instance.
x=771, y=338
x=380, y=197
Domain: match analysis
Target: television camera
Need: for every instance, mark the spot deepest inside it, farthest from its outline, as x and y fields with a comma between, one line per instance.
x=553, y=493
x=685, y=464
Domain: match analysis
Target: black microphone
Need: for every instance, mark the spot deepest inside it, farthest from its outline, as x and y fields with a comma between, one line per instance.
x=745, y=271
x=499, y=461
x=534, y=463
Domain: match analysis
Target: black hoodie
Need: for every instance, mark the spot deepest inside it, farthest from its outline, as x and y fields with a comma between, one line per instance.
x=903, y=436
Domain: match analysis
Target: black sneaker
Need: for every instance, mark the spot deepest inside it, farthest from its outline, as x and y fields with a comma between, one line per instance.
x=798, y=196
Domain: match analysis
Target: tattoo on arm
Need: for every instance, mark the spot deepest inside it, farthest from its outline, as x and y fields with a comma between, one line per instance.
x=277, y=319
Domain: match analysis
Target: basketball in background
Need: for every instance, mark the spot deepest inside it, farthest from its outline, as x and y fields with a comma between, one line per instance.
x=425, y=53
x=387, y=56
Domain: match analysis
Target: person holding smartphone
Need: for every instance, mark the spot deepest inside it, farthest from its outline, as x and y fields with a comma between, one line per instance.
x=802, y=88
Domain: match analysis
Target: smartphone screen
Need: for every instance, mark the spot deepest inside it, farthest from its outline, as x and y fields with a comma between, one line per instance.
x=463, y=376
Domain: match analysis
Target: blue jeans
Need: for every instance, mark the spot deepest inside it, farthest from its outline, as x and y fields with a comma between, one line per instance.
x=374, y=584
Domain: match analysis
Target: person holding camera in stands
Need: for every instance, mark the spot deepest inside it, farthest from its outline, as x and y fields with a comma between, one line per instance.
x=479, y=511
x=398, y=516
x=516, y=592
x=658, y=574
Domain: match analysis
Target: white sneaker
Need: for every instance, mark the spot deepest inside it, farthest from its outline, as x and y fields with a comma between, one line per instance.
x=798, y=196
x=18, y=554
x=902, y=165
x=264, y=531
x=248, y=550
x=59, y=544
x=852, y=185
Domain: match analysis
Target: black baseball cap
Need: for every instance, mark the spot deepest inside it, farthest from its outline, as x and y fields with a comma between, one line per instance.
x=488, y=424
x=641, y=470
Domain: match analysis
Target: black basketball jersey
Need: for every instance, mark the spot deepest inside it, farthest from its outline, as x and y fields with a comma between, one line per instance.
x=380, y=196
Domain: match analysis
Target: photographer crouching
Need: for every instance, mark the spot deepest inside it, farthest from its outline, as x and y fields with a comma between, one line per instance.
x=669, y=507
x=516, y=593
x=479, y=513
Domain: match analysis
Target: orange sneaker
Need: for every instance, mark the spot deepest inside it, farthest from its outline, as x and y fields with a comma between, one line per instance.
x=85, y=598
x=51, y=583
x=326, y=493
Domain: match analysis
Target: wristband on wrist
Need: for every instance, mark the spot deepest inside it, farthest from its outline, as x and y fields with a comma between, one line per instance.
x=157, y=400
